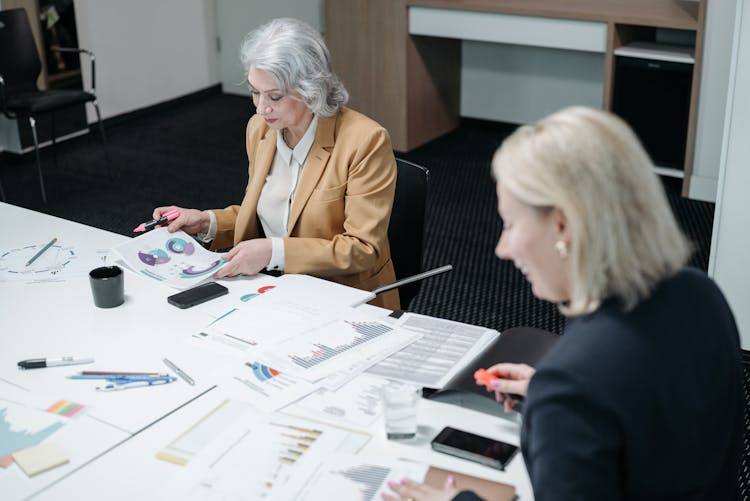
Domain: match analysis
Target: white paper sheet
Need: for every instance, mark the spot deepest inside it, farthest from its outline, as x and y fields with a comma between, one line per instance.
x=445, y=347
x=175, y=259
x=60, y=262
x=256, y=455
x=333, y=346
x=262, y=386
x=346, y=476
x=357, y=403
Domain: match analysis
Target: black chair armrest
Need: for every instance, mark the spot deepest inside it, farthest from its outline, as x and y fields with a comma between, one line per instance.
x=91, y=57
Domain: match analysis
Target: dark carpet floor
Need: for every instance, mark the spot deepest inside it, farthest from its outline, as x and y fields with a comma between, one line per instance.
x=191, y=153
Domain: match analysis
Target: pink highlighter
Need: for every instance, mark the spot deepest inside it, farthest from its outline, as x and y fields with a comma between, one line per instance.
x=165, y=218
x=482, y=376
x=486, y=378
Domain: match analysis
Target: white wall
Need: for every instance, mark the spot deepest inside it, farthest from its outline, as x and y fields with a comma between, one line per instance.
x=730, y=244
x=147, y=51
x=717, y=49
x=521, y=84
x=237, y=17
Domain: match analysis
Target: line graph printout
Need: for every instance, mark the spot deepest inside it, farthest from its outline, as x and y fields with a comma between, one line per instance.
x=345, y=476
x=175, y=259
x=58, y=263
x=256, y=455
x=445, y=347
x=333, y=346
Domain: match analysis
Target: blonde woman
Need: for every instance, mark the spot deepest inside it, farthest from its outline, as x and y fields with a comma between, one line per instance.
x=641, y=398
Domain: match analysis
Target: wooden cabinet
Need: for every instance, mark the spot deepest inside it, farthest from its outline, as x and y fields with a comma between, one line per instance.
x=401, y=59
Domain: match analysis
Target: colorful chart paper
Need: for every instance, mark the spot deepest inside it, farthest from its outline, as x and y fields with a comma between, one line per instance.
x=173, y=258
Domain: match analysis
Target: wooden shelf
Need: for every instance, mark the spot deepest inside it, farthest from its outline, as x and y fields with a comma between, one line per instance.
x=679, y=14
x=411, y=83
x=658, y=52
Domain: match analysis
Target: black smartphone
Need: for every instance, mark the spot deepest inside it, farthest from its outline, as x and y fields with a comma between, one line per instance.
x=473, y=447
x=197, y=295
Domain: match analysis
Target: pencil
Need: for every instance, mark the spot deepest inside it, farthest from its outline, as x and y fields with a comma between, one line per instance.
x=41, y=251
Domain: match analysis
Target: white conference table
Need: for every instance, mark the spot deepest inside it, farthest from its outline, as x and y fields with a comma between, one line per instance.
x=125, y=429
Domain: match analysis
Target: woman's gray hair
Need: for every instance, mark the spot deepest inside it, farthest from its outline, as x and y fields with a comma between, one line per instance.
x=296, y=55
x=590, y=165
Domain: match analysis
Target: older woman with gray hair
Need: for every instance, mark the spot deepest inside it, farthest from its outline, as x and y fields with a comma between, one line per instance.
x=321, y=176
x=642, y=396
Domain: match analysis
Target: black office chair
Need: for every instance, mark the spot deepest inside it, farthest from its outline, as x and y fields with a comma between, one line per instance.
x=19, y=69
x=406, y=228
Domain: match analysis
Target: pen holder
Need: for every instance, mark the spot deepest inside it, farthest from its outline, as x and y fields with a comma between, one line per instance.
x=107, y=286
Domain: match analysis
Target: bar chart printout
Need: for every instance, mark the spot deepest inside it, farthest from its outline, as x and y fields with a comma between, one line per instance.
x=334, y=346
x=351, y=477
x=366, y=331
x=258, y=455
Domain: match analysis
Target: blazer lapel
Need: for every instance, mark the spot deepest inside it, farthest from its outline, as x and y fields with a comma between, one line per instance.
x=314, y=167
x=262, y=161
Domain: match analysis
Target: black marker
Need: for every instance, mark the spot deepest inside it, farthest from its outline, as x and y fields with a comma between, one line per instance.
x=38, y=363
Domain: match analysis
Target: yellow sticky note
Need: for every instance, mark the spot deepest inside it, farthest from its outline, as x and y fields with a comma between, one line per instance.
x=41, y=458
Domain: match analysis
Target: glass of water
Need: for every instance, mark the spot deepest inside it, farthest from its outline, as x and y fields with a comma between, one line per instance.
x=400, y=410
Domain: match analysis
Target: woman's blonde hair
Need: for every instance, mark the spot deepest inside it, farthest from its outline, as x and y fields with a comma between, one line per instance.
x=589, y=164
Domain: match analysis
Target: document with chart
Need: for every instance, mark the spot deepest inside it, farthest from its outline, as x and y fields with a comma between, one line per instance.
x=44, y=262
x=251, y=455
x=334, y=346
x=267, y=319
x=357, y=403
x=261, y=385
x=175, y=259
x=346, y=476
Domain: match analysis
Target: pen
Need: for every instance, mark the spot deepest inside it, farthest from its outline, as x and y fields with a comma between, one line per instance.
x=117, y=373
x=136, y=384
x=37, y=363
x=165, y=218
x=179, y=372
x=116, y=377
x=41, y=251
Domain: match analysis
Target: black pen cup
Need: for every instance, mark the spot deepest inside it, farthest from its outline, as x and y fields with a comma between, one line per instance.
x=107, y=286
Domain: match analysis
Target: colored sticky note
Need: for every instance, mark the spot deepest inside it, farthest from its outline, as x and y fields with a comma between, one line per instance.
x=65, y=408
x=35, y=460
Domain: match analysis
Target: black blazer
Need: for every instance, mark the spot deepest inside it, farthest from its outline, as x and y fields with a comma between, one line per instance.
x=645, y=404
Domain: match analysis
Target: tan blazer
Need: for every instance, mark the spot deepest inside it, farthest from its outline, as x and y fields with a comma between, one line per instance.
x=338, y=222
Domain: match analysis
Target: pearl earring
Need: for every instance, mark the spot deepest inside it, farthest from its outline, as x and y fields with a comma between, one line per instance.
x=562, y=248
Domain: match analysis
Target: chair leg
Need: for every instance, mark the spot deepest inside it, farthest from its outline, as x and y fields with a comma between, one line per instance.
x=101, y=129
x=32, y=122
x=104, y=139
